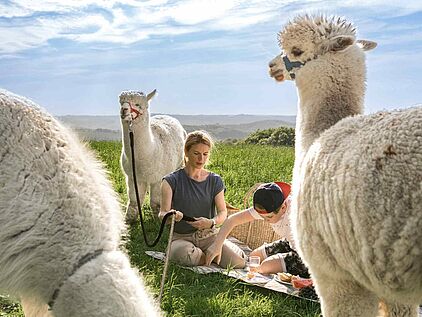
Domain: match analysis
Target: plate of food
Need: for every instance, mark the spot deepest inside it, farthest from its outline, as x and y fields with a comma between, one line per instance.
x=256, y=278
x=284, y=278
x=293, y=280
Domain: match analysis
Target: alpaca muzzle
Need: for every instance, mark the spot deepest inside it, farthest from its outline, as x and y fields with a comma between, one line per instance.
x=277, y=70
x=134, y=112
x=290, y=66
x=128, y=112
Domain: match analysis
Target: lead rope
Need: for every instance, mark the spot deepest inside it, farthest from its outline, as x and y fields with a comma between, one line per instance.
x=166, y=262
x=163, y=278
x=141, y=219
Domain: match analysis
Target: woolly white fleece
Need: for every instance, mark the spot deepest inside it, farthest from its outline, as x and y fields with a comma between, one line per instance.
x=158, y=143
x=356, y=210
x=60, y=222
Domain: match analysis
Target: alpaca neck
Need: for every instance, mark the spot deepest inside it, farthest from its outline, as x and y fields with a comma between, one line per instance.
x=323, y=101
x=142, y=135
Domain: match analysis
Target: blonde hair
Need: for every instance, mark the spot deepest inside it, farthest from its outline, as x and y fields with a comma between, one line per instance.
x=197, y=137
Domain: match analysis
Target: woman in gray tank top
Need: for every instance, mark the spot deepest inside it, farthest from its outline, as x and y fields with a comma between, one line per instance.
x=197, y=193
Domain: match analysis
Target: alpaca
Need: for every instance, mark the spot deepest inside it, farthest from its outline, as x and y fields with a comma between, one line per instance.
x=60, y=223
x=356, y=209
x=158, y=143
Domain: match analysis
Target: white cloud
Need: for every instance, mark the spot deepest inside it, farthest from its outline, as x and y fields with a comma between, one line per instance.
x=192, y=12
x=25, y=23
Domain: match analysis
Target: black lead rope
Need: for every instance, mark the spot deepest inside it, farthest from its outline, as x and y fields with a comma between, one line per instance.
x=141, y=219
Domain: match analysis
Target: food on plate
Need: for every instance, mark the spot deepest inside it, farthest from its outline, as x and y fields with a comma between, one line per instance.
x=250, y=275
x=299, y=282
x=285, y=277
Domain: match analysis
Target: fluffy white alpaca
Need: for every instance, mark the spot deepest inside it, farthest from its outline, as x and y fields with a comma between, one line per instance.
x=357, y=181
x=60, y=223
x=158, y=145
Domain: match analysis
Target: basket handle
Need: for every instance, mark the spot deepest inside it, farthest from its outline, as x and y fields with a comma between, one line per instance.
x=246, y=205
x=249, y=194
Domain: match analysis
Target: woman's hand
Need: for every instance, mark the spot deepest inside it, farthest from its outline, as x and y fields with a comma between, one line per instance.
x=213, y=253
x=201, y=223
x=178, y=214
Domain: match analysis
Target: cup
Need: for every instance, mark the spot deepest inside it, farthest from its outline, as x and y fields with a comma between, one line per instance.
x=253, y=265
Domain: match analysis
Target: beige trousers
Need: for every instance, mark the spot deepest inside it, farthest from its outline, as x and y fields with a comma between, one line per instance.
x=189, y=249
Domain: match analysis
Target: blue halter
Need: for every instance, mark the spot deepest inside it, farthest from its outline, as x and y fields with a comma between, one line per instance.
x=290, y=65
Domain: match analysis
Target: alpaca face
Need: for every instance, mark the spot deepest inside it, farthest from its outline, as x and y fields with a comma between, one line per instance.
x=305, y=39
x=134, y=105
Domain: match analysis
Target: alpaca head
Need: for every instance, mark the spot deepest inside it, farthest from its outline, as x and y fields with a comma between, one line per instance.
x=306, y=38
x=134, y=105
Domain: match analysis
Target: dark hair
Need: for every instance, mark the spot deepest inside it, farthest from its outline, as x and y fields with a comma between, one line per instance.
x=269, y=196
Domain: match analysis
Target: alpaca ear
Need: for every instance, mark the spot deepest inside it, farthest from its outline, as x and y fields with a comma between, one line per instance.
x=340, y=43
x=366, y=45
x=151, y=94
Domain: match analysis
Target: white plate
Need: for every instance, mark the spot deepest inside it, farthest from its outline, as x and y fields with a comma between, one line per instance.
x=282, y=282
x=257, y=279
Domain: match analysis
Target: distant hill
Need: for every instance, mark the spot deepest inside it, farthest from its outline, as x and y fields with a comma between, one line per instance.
x=236, y=131
x=221, y=127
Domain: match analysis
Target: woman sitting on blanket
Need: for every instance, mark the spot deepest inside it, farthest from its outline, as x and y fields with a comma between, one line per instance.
x=270, y=203
x=198, y=193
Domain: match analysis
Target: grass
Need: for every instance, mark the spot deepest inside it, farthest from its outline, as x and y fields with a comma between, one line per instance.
x=187, y=293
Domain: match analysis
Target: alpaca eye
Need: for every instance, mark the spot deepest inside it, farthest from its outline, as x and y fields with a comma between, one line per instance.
x=297, y=52
x=138, y=105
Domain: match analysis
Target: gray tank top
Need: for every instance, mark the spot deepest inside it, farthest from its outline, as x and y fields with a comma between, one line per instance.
x=193, y=198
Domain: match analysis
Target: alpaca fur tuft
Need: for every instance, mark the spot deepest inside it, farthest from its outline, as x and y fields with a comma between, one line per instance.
x=158, y=143
x=356, y=209
x=60, y=222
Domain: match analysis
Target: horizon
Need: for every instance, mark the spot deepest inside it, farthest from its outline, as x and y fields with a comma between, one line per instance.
x=178, y=114
x=203, y=57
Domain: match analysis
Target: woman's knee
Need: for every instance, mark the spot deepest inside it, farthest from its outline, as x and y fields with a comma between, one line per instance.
x=232, y=256
x=260, y=251
x=185, y=253
x=273, y=264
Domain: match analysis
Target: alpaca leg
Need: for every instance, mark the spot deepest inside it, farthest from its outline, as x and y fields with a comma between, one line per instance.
x=345, y=298
x=132, y=213
x=131, y=207
x=155, y=195
x=399, y=310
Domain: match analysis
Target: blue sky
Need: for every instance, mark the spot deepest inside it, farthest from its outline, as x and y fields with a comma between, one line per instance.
x=203, y=56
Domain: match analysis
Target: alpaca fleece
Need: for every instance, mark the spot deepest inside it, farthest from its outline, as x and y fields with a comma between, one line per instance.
x=356, y=209
x=158, y=142
x=60, y=222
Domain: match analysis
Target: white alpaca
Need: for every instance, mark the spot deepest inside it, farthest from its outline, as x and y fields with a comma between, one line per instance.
x=60, y=223
x=158, y=145
x=357, y=180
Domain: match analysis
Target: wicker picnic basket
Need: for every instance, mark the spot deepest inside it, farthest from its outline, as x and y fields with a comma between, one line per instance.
x=254, y=233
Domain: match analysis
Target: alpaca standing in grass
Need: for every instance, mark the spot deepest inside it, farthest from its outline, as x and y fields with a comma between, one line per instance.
x=357, y=179
x=158, y=145
x=60, y=223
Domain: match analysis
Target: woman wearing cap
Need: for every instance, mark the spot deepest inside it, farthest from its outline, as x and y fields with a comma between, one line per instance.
x=199, y=194
x=271, y=202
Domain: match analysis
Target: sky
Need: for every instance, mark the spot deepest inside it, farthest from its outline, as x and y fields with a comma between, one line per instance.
x=74, y=57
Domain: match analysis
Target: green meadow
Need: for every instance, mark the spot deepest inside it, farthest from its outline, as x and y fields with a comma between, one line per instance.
x=187, y=293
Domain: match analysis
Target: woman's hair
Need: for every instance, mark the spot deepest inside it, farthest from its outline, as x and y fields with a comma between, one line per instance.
x=198, y=137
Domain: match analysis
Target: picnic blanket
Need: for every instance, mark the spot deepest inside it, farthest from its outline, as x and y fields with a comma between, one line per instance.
x=266, y=281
